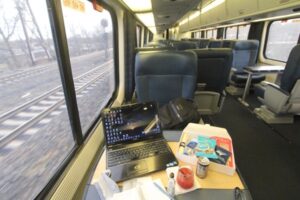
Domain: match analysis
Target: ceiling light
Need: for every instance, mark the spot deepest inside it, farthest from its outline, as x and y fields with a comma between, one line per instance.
x=194, y=15
x=139, y=5
x=212, y=5
x=147, y=19
x=183, y=21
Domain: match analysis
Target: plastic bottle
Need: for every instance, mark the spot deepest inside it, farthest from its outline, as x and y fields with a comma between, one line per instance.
x=171, y=185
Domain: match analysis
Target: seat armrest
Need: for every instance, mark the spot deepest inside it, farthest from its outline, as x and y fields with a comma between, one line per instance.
x=207, y=102
x=276, y=99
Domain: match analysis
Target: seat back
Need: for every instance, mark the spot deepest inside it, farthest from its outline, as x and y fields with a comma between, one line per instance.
x=201, y=43
x=214, y=67
x=215, y=44
x=166, y=75
x=292, y=70
x=184, y=45
x=244, y=53
x=228, y=43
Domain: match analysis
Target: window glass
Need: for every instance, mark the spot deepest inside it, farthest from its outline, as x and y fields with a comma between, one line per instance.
x=35, y=132
x=243, y=32
x=209, y=34
x=283, y=36
x=231, y=32
x=215, y=33
x=90, y=42
x=138, y=36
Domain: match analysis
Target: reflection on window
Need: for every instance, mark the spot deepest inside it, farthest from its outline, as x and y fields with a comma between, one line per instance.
x=243, y=32
x=90, y=41
x=231, y=32
x=35, y=133
x=283, y=36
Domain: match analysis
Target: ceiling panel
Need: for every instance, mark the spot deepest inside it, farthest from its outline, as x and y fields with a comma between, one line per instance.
x=168, y=12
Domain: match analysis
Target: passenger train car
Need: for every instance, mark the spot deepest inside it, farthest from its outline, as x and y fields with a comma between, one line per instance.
x=62, y=62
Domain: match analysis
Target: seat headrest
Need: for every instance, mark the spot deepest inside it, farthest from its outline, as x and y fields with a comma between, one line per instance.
x=184, y=45
x=245, y=44
x=138, y=49
x=228, y=43
x=215, y=43
x=166, y=63
x=213, y=52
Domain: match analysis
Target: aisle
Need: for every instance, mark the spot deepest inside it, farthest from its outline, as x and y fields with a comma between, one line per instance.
x=269, y=163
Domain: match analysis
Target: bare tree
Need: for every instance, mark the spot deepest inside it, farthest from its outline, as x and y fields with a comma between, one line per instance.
x=6, y=33
x=20, y=8
x=40, y=35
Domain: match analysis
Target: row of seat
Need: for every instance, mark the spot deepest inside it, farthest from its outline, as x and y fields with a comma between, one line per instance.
x=162, y=75
x=245, y=53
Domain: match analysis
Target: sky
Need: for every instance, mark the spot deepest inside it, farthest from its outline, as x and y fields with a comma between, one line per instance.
x=90, y=19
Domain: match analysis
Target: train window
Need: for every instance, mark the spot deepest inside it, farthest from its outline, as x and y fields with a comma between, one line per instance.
x=209, y=34
x=138, y=35
x=243, y=32
x=231, y=32
x=215, y=33
x=282, y=37
x=90, y=42
x=35, y=133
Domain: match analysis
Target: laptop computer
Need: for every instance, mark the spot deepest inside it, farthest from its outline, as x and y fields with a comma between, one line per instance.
x=134, y=141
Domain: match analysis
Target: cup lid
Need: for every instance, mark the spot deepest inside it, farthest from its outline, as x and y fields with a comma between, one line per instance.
x=204, y=161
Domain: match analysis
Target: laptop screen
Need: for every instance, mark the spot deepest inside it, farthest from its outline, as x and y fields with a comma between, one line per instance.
x=131, y=123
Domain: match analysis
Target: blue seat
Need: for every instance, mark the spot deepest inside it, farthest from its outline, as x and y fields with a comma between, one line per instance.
x=215, y=44
x=245, y=54
x=281, y=102
x=213, y=72
x=165, y=75
x=201, y=43
x=184, y=45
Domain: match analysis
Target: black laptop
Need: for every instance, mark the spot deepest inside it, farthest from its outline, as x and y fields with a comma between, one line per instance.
x=134, y=142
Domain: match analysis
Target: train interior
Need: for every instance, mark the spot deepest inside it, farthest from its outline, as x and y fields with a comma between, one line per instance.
x=63, y=61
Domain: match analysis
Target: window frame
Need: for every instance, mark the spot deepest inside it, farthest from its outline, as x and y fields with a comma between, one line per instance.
x=267, y=38
x=61, y=48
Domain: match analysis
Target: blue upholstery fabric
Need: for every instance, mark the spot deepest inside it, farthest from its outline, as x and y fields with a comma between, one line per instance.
x=215, y=44
x=214, y=67
x=292, y=70
x=184, y=45
x=244, y=53
x=290, y=74
x=201, y=43
x=166, y=75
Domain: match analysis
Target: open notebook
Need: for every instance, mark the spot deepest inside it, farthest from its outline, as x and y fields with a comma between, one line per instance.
x=141, y=189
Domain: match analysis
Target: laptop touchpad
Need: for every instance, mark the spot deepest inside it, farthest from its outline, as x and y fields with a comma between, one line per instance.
x=136, y=167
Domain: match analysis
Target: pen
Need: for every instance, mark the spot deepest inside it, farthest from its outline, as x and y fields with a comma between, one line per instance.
x=163, y=191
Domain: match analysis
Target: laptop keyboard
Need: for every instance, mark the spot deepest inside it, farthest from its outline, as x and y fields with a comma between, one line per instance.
x=136, y=153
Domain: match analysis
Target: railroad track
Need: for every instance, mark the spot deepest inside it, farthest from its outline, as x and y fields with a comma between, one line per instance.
x=20, y=119
x=17, y=77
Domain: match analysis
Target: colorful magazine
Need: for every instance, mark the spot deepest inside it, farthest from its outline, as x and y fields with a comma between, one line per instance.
x=206, y=147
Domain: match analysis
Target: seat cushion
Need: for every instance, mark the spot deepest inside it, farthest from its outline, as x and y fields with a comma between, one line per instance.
x=241, y=78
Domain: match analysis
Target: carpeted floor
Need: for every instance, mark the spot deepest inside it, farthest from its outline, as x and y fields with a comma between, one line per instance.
x=267, y=156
